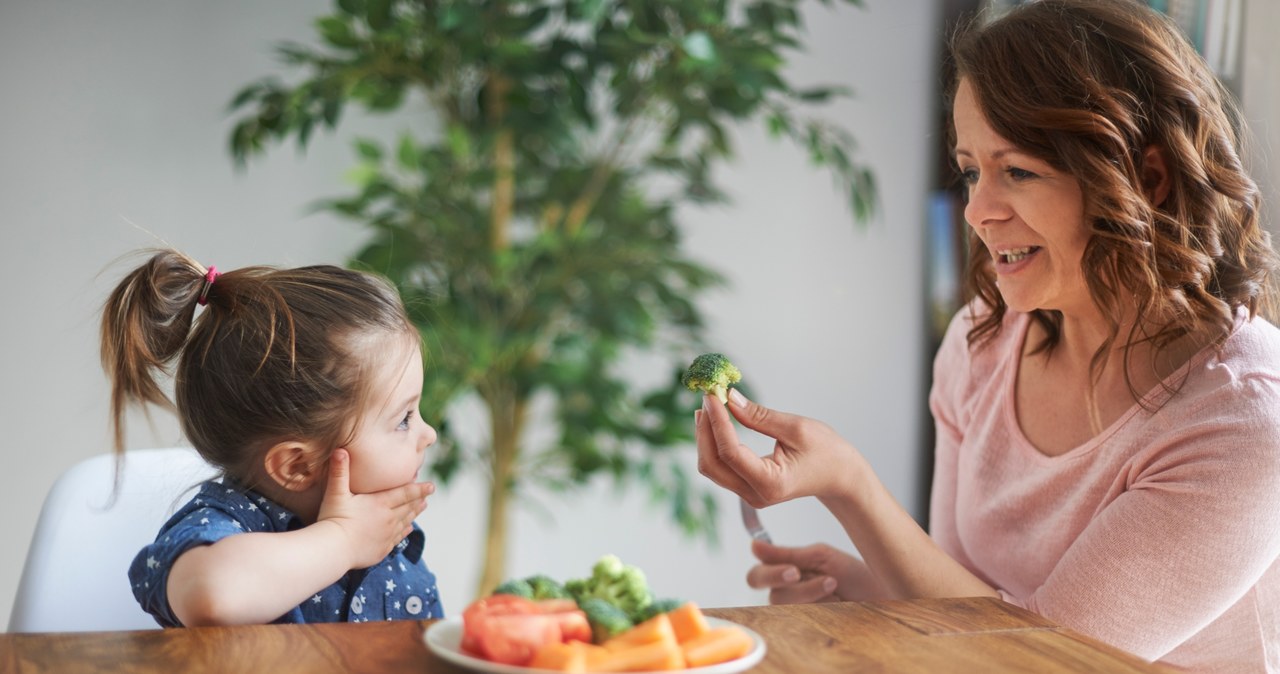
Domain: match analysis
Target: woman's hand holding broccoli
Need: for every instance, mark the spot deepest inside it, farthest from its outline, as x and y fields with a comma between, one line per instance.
x=809, y=458
x=371, y=523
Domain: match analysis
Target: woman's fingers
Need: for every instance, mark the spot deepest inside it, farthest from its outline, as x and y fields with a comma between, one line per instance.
x=711, y=463
x=792, y=575
x=777, y=425
x=769, y=576
x=759, y=474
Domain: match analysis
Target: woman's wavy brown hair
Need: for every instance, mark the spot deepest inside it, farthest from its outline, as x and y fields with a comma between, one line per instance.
x=276, y=355
x=1088, y=86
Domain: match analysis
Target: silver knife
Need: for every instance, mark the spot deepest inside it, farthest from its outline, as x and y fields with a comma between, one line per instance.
x=751, y=519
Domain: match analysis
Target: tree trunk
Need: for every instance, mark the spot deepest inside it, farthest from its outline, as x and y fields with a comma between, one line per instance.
x=507, y=415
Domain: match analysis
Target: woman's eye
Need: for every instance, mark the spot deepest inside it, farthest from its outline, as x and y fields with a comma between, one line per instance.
x=1019, y=174
x=968, y=176
x=404, y=423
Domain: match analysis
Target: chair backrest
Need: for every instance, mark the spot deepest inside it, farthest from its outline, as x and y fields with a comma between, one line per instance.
x=76, y=574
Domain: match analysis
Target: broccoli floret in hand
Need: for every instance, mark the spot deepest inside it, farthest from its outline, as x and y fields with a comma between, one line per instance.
x=620, y=584
x=712, y=373
x=607, y=620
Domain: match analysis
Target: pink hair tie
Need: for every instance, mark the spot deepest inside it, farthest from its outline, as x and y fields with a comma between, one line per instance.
x=209, y=278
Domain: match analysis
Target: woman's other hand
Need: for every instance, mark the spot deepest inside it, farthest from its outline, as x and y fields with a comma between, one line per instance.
x=814, y=573
x=809, y=458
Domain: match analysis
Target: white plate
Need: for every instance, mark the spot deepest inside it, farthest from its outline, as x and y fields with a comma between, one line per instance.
x=444, y=636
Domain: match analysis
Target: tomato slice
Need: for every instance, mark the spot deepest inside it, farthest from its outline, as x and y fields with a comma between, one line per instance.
x=573, y=625
x=498, y=604
x=555, y=605
x=513, y=638
x=510, y=629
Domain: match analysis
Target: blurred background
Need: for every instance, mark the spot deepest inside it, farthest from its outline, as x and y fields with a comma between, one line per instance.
x=114, y=137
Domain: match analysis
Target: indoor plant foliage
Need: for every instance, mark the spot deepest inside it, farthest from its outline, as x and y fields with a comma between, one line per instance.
x=533, y=228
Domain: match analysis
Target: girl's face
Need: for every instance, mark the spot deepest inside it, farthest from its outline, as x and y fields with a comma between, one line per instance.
x=391, y=437
x=1029, y=215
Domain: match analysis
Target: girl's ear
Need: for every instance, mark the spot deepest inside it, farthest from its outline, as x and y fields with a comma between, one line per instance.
x=291, y=465
x=1155, y=175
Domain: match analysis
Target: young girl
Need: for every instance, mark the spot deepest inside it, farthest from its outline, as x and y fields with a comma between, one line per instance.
x=302, y=386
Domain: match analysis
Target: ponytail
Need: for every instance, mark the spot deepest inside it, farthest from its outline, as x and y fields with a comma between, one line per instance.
x=145, y=324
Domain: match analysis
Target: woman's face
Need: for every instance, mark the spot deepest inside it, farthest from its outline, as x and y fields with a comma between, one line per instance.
x=1029, y=215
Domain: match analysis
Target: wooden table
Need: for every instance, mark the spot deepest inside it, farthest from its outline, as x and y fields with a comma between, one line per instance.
x=942, y=635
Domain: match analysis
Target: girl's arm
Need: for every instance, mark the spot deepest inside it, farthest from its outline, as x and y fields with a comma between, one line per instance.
x=255, y=577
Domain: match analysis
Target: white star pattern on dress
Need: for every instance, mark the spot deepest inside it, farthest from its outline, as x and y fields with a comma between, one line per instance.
x=391, y=586
x=204, y=520
x=253, y=507
x=152, y=563
x=315, y=599
x=236, y=524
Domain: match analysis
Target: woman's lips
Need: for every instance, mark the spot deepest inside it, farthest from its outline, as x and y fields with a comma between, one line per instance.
x=1012, y=260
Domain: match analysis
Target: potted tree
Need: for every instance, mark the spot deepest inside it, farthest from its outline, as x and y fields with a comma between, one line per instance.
x=533, y=229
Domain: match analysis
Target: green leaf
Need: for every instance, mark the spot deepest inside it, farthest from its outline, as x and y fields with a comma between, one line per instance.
x=336, y=31
x=407, y=153
x=361, y=175
x=821, y=94
x=459, y=142
x=698, y=46
x=369, y=149
x=379, y=14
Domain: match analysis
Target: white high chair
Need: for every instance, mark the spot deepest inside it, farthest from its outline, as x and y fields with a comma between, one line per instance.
x=76, y=575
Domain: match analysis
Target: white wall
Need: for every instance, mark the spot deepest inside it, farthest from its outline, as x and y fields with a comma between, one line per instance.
x=114, y=113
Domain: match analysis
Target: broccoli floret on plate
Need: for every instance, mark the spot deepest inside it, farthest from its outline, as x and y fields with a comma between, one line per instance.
x=607, y=620
x=516, y=586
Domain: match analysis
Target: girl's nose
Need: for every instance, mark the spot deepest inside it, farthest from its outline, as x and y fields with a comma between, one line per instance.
x=428, y=437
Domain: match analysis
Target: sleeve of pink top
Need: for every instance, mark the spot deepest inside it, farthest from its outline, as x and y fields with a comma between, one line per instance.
x=950, y=370
x=1195, y=529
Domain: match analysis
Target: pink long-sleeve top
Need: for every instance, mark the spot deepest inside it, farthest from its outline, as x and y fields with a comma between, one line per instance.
x=1160, y=535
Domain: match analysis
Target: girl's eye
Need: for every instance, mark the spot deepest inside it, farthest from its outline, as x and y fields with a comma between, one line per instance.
x=404, y=423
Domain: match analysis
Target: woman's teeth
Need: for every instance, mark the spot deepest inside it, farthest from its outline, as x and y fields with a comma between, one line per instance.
x=1011, y=256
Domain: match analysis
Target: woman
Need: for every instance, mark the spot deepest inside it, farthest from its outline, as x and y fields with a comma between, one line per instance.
x=1108, y=405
